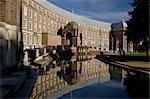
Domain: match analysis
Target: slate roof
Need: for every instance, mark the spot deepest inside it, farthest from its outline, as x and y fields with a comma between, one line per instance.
x=72, y=17
x=119, y=25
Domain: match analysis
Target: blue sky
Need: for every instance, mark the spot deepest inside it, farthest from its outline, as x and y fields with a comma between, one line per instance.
x=103, y=10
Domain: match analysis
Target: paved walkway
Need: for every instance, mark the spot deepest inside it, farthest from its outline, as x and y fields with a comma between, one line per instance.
x=18, y=84
x=139, y=65
x=25, y=90
x=10, y=83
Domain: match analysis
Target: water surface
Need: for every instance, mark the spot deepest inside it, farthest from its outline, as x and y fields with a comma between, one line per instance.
x=87, y=77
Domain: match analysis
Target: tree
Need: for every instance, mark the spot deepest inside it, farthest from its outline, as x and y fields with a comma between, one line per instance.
x=138, y=25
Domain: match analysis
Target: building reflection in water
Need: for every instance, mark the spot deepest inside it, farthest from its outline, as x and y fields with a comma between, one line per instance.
x=117, y=74
x=70, y=72
x=65, y=73
x=136, y=83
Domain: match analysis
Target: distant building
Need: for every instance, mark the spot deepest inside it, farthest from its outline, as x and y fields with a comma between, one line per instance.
x=118, y=38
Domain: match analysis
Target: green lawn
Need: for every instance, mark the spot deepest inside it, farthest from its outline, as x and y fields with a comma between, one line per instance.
x=137, y=54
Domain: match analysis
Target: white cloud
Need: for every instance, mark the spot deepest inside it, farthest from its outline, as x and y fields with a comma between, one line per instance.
x=104, y=10
x=110, y=16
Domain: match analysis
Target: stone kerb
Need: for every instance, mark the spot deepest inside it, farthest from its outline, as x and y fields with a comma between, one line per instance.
x=3, y=51
x=8, y=45
x=8, y=32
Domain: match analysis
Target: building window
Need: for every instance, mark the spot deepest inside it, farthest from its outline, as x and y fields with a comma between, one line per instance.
x=35, y=17
x=56, y=25
x=44, y=29
x=35, y=27
x=24, y=23
x=40, y=28
x=35, y=40
x=57, y=18
x=44, y=20
x=51, y=23
x=40, y=19
x=39, y=40
x=25, y=38
x=30, y=39
x=48, y=30
x=30, y=13
x=30, y=25
x=25, y=10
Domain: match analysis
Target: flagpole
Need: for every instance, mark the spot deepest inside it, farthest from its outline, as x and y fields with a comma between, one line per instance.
x=72, y=13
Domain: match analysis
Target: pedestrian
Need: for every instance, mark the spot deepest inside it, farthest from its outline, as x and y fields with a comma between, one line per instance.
x=33, y=55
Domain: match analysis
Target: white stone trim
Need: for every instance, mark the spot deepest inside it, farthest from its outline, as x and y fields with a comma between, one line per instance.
x=8, y=32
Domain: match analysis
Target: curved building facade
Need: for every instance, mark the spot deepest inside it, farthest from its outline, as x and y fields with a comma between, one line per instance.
x=38, y=23
x=41, y=16
x=42, y=20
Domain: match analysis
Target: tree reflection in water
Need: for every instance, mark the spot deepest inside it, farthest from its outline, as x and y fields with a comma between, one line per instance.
x=137, y=85
x=69, y=73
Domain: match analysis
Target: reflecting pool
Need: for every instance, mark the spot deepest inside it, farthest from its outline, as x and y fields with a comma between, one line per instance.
x=87, y=77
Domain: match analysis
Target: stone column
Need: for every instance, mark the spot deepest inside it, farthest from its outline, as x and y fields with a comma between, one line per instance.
x=26, y=59
x=78, y=41
x=124, y=43
x=117, y=45
x=112, y=44
x=44, y=68
x=130, y=47
x=45, y=50
x=37, y=52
